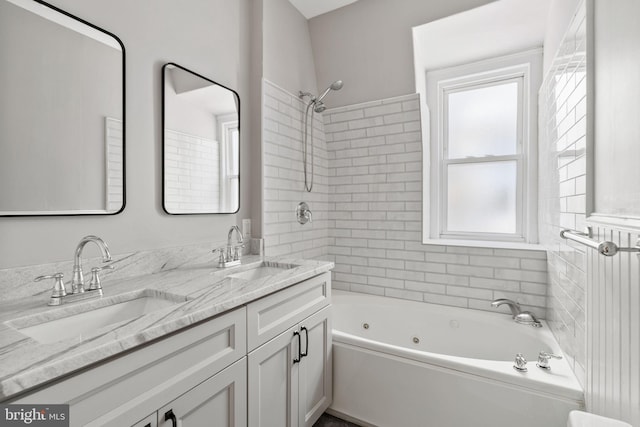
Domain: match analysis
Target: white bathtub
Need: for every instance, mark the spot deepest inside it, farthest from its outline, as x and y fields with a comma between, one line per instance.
x=408, y=364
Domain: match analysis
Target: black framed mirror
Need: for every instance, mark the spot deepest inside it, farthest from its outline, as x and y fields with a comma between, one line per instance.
x=62, y=113
x=201, y=144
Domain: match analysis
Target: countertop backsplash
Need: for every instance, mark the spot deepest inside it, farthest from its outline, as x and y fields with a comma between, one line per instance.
x=17, y=283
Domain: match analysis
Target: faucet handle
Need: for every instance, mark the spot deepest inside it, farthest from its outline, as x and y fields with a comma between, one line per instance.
x=58, y=290
x=96, y=284
x=221, y=257
x=520, y=363
x=236, y=251
x=543, y=359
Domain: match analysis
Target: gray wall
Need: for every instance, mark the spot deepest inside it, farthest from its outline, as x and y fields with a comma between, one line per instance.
x=288, y=58
x=368, y=45
x=211, y=36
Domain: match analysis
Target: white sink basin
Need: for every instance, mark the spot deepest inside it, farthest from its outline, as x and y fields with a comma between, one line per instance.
x=263, y=270
x=77, y=320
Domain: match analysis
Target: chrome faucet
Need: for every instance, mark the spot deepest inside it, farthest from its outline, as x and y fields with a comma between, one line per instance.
x=77, y=282
x=524, y=317
x=59, y=294
x=239, y=238
x=230, y=255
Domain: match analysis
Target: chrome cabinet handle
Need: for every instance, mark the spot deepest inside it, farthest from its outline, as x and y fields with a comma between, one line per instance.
x=169, y=415
x=297, y=359
x=306, y=345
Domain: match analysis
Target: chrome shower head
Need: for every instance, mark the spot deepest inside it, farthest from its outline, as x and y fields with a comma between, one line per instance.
x=337, y=85
x=319, y=107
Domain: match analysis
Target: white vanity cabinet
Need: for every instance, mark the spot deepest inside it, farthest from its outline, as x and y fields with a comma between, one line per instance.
x=289, y=362
x=267, y=364
x=136, y=385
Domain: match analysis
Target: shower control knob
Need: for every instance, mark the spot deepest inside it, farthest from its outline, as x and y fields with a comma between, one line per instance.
x=520, y=363
x=303, y=213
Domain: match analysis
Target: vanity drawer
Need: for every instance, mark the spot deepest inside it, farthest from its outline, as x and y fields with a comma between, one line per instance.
x=129, y=387
x=273, y=314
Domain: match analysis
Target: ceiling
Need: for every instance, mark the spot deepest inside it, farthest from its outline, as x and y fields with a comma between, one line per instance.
x=311, y=8
x=498, y=28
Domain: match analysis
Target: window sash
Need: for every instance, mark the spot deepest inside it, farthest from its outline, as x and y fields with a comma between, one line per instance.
x=518, y=157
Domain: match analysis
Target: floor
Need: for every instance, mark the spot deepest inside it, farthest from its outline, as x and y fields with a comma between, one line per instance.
x=327, y=420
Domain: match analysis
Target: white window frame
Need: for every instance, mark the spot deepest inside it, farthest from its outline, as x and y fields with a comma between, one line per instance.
x=525, y=67
x=229, y=179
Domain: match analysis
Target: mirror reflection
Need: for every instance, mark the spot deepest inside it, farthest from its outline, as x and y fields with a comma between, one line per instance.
x=201, y=144
x=61, y=114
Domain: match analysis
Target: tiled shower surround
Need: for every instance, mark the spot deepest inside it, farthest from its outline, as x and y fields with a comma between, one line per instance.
x=375, y=195
x=367, y=203
x=562, y=188
x=283, y=178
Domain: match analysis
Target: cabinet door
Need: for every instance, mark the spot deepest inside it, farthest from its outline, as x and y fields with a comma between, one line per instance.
x=130, y=387
x=273, y=382
x=150, y=421
x=315, y=373
x=219, y=401
x=269, y=316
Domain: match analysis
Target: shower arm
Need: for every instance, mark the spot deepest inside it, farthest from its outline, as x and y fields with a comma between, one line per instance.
x=311, y=96
x=337, y=85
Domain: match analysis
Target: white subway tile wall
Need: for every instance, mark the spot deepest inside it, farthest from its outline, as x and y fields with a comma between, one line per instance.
x=375, y=197
x=562, y=188
x=115, y=164
x=283, y=178
x=191, y=173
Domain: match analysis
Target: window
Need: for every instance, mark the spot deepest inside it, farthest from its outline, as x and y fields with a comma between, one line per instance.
x=230, y=167
x=481, y=155
x=232, y=142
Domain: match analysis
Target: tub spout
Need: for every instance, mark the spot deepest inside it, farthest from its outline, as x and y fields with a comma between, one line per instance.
x=524, y=317
x=513, y=306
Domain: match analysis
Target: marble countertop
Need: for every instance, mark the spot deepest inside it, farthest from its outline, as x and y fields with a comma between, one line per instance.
x=204, y=291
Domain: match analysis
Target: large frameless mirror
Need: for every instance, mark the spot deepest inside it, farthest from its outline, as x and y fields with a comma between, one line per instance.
x=61, y=113
x=201, y=144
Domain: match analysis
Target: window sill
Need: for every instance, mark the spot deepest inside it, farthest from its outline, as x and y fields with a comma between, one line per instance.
x=485, y=244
